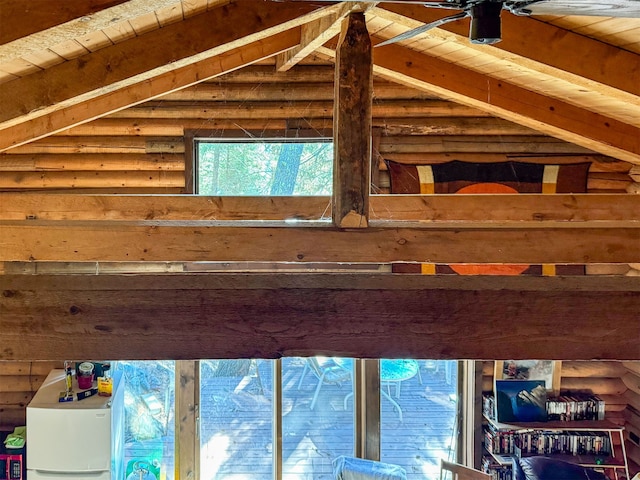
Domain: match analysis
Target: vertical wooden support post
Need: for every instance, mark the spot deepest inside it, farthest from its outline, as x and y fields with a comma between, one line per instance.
x=352, y=124
x=187, y=445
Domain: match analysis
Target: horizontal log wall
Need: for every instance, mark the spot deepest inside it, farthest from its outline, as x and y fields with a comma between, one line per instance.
x=19, y=381
x=142, y=149
x=618, y=383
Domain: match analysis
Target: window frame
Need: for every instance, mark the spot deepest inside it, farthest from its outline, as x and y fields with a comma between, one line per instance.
x=193, y=137
x=366, y=413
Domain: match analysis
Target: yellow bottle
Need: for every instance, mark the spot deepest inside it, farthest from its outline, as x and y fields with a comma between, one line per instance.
x=105, y=383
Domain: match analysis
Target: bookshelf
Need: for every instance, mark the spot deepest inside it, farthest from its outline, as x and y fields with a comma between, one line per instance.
x=597, y=444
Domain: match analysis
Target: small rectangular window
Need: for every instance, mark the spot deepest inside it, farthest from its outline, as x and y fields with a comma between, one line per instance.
x=264, y=167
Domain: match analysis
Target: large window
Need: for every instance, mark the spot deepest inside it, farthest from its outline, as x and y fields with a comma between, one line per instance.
x=149, y=402
x=290, y=419
x=259, y=167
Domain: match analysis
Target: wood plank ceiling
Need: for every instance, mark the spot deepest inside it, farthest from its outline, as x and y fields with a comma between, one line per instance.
x=575, y=78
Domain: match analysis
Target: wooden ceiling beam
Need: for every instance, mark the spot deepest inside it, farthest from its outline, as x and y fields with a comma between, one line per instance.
x=542, y=113
x=541, y=47
x=85, y=111
x=142, y=68
x=54, y=317
x=42, y=24
x=113, y=241
x=425, y=211
x=23, y=19
x=313, y=35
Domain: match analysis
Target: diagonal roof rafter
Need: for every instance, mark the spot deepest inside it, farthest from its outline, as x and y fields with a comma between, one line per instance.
x=509, y=101
x=44, y=103
x=541, y=47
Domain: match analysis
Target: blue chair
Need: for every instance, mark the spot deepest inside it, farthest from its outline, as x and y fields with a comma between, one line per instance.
x=352, y=468
x=327, y=372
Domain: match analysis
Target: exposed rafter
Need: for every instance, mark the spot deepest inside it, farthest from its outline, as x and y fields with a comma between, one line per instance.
x=48, y=26
x=541, y=47
x=138, y=61
x=511, y=102
x=89, y=109
x=313, y=35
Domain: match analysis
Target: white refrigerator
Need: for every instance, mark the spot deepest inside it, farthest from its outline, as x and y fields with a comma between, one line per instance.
x=82, y=439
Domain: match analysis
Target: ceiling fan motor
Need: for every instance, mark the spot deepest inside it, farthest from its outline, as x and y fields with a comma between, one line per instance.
x=485, y=23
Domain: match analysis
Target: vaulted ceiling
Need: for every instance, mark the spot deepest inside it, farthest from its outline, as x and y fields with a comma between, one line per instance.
x=576, y=78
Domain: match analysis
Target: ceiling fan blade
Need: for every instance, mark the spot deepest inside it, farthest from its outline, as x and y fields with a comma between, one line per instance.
x=602, y=8
x=423, y=28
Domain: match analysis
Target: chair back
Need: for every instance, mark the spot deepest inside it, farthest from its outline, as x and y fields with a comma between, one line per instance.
x=460, y=472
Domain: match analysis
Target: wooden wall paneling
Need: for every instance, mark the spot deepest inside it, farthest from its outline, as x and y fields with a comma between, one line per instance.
x=633, y=399
x=18, y=383
x=303, y=109
x=402, y=125
x=92, y=162
x=286, y=90
x=632, y=367
x=92, y=179
x=595, y=368
x=102, y=145
x=603, y=385
x=514, y=144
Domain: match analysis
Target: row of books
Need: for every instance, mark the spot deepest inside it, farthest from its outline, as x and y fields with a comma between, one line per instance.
x=489, y=406
x=540, y=442
x=497, y=471
x=575, y=407
x=565, y=408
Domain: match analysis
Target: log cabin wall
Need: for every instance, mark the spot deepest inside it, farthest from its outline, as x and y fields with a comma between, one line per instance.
x=19, y=381
x=617, y=383
x=142, y=149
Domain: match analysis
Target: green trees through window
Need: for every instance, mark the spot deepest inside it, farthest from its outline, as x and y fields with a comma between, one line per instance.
x=260, y=168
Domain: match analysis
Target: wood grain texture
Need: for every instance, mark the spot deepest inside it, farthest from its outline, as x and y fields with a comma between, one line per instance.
x=352, y=125
x=140, y=58
x=187, y=401
x=551, y=116
x=573, y=369
x=112, y=241
x=188, y=71
x=459, y=211
x=606, y=386
x=595, y=369
x=92, y=162
x=542, y=47
x=30, y=18
x=230, y=316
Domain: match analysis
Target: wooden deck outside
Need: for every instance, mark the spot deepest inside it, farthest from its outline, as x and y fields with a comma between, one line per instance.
x=237, y=436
